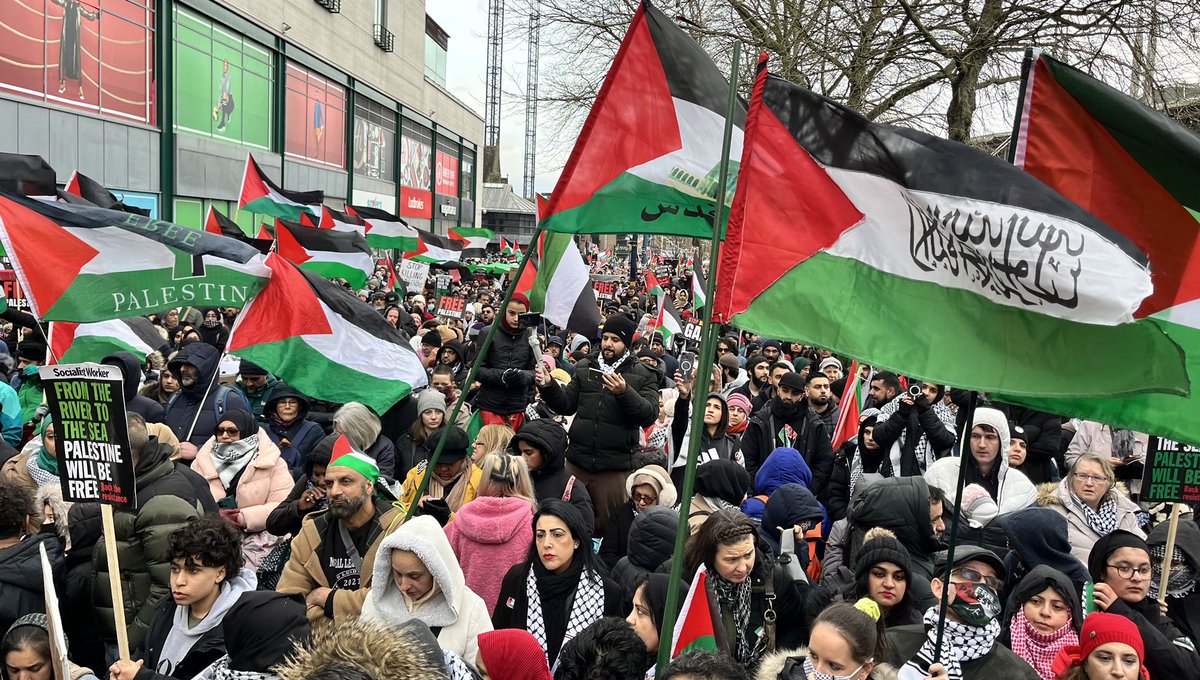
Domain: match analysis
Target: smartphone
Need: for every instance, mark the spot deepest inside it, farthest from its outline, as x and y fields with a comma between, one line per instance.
x=529, y=319
x=687, y=365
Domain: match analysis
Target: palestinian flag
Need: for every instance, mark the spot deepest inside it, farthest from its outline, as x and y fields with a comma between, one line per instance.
x=342, y=221
x=1139, y=171
x=324, y=341
x=475, y=241
x=851, y=409
x=653, y=287
x=698, y=286
x=509, y=248
x=94, y=192
x=562, y=290
x=77, y=343
x=929, y=258
x=218, y=224
x=261, y=195
x=698, y=626
x=332, y=254
x=668, y=321
x=83, y=263
x=648, y=158
x=435, y=249
x=384, y=230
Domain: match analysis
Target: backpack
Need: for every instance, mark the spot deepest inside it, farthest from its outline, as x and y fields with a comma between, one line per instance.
x=222, y=401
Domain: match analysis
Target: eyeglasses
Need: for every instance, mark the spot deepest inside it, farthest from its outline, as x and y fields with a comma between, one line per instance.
x=642, y=498
x=1095, y=479
x=1125, y=571
x=218, y=431
x=975, y=577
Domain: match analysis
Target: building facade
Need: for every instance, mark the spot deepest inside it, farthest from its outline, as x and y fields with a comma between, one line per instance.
x=160, y=100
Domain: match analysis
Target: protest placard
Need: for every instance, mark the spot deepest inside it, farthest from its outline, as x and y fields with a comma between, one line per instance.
x=451, y=307
x=604, y=290
x=1172, y=472
x=413, y=274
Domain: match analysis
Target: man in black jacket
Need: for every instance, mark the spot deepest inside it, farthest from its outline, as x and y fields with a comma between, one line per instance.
x=195, y=410
x=131, y=372
x=614, y=395
x=787, y=421
x=914, y=431
x=506, y=373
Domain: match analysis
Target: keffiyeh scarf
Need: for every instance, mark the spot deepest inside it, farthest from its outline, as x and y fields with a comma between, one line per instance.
x=586, y=608
x=1102, y=521
x=960, y=642
x=615, y=365
x=1182, y=580
x=1040, y=649
x=735, y=597
x=923, y=452
x=230, y=458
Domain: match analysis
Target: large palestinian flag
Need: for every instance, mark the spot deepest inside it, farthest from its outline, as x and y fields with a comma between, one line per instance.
x=83, y=263
x=261, y=195
x=435, y=249
x=475, y=240
x=385, y=230
x=1139, y=171
x=76, y=343
x=929, y=258
x=342, y=221
x=219, y=224
x=668, y=322
x=648, y=157
x=324, y=341
x=332, y=254
x=562, y=288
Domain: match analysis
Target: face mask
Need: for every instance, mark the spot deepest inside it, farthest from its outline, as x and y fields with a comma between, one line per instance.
x=975, y=603
x=813, y=674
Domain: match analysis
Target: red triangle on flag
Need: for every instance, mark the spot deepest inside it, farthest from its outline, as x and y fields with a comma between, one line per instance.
x=286, y=307
x=288, y=246
x=62, y=336
x=37, y=241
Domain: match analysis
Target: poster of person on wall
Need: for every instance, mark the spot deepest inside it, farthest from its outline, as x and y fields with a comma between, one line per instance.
x=223, y=110
x=70, y=53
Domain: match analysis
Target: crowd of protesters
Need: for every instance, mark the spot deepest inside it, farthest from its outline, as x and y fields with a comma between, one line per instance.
x=270, y=538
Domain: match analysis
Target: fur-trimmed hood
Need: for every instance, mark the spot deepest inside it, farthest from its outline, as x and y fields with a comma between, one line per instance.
x=1051, y=494
x=51, y=495
x=379, y=651
x=772, y=664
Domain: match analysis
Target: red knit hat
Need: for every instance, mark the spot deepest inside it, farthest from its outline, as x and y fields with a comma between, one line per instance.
x=522, y=298
x=512, y=654
x=1100, y=628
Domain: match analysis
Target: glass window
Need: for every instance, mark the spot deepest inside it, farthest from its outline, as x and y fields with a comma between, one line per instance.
x=374, y=140
x=315, y=129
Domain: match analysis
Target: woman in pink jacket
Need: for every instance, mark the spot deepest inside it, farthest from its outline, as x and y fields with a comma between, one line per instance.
x=494, y=531
x=247, y=478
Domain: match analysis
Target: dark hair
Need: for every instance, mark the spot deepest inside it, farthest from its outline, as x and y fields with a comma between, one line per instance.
x=899, y=611
x=27, y=636
x=16, y=505
x=705, y=666
x=443, y=369
x=782, y=364
x=813, y=375
x=723, y=527
x=889, y=380
x=580, y=531
x=212, y=542
x=609, y=648
x=863, y=634
x=936, y=495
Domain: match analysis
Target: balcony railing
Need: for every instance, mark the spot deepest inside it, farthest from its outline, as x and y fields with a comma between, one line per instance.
x=384, y=38
x=334, y=6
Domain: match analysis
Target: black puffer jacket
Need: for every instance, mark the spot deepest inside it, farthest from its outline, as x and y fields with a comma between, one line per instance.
x=918, y=422
x=812, y=440
x=900, y=504
x=508, y=351
x=651, y=543
x=183, y=405
x=131, y=373
x=21, y=576
x=166, y=501
x=1183, y=611
x=551, y=479
x=605, y=431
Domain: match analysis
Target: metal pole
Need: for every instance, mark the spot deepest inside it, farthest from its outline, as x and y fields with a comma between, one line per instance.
x=483, y=350
x=699, y=395
x=964, y=443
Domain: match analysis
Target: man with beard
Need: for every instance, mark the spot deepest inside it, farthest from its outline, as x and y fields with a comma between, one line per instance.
x=506, y=372
x=771, y=350
x=787, y=421
x=612, y=397
x=758, y=372
x=774, y=373
x=333, y=556
x=820, y=400
x=669, y=363
x=194, y=411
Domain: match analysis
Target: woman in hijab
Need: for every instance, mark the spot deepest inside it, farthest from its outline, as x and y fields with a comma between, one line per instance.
x=1043, y=618
x=511, y=655
x=650, y=606
x=557, y=591
x=261, y=630
x=37, y=464
x=715, y=442
x=247, y=477
x=288, y=424
x=26, y=652
x=646, y=487
x=720, y=484
x=418, y=577
x=212, y=329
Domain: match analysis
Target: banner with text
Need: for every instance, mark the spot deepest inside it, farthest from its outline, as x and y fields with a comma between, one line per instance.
x=451, y=307
x=413, y=274
x=1172, y=472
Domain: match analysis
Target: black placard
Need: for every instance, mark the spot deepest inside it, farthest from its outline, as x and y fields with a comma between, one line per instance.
x=1172, y=472
x=451, y=307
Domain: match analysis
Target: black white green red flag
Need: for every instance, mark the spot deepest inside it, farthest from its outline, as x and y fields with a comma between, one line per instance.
x=475, y=240
x=76, y=343
x=435, y=249
x=83, y=263
x=324, y=341
x=562, y=288
x=385, y=230
x=929, y=258
x=698, y=627
x=219, y=224
x=647, y=159
x=342, y=221
x=1139, y=171
x=332, y=254
x=261, y=195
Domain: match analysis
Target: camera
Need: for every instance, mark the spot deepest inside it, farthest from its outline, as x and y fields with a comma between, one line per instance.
x=529, y=320
x=914, y=390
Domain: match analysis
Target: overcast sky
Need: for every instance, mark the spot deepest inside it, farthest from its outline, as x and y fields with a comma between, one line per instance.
x=466, y=22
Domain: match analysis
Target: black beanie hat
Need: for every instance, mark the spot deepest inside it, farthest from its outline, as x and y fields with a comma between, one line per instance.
x=881, y=545
x=1106, y=546
x=455, y=447
x=31, y=351
x=432, y=338
x=621, y=326
x=249, y=368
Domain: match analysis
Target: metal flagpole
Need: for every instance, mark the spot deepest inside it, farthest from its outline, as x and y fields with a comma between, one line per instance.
x=964, y=443
x=700, y=391
x=452, y=418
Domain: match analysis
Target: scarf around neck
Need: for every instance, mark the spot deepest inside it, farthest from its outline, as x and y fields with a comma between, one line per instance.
x=230, y=458
x=1182, y=580
x=960, y=642
x=604, y=366
x=1102, y=521
x=735, y=598
x=587, y=604
x=1040, y=649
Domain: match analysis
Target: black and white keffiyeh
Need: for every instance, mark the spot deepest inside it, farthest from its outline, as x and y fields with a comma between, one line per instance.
x=960, y=642
x=586, y=608
x=924, y=453
x=604, y=366
x=735, y=596
x=1102, y=521
x=1182, y=580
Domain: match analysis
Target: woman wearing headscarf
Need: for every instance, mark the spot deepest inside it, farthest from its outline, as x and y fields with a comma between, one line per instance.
x=1183, y=597
x=646, y=487
x=511, y=655
x=649, y=609
x=261, y=629
x=715, y=442
x=1110, y=648
x=1043, y=616
x=455, y=478
x=1038, y=536
x=720, y=484
x=37, y=464
x=1092, y=503
x=416, y=576
x=247, y=478
x=557, y=591
x=288, y=424
x=212, y=329
x=25, y=652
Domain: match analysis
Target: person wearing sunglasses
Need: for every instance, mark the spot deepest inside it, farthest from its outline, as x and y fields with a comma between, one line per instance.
x=1089, y=499
x=969, y=645
x=247, y=477
x=1121, y=570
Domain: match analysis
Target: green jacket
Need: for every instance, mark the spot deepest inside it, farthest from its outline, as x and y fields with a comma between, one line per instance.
x=29, y=394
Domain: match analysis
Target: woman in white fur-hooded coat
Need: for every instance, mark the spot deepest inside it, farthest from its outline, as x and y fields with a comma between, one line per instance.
x=440, y=598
